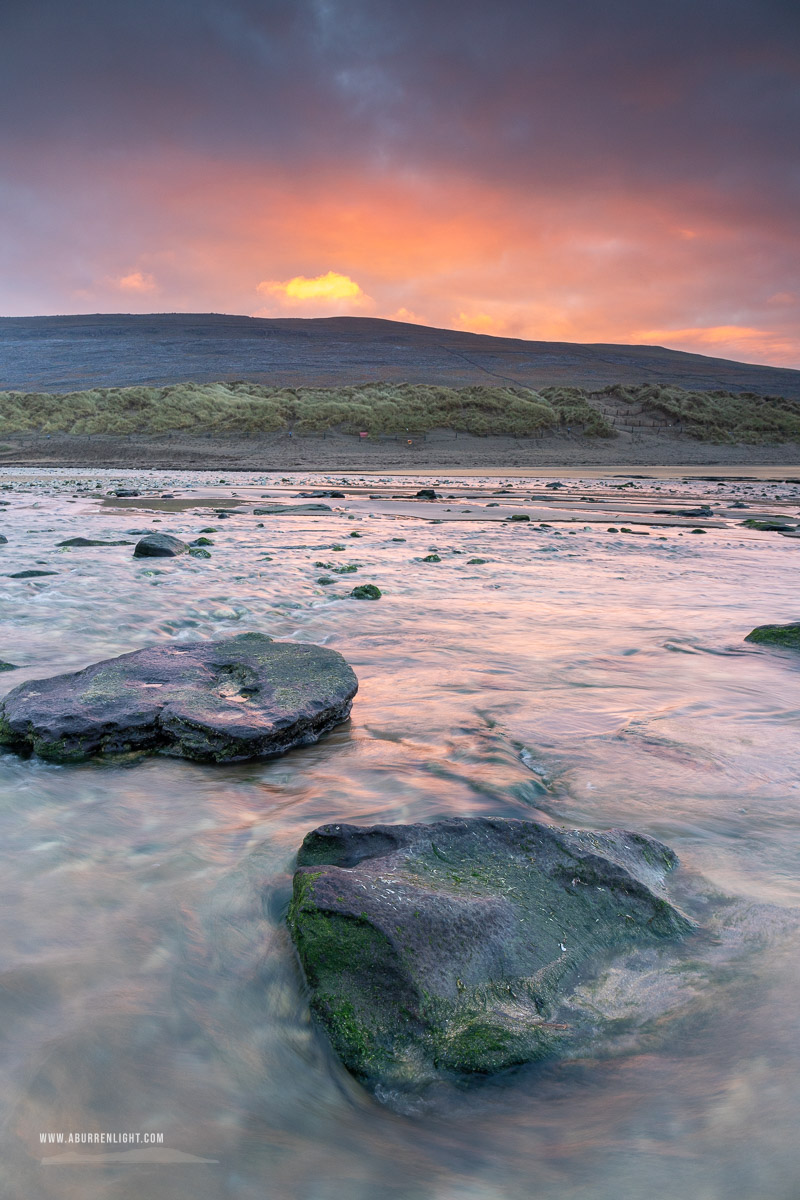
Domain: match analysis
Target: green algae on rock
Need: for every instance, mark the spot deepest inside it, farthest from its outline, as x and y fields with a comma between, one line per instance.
x=785, y=636
x=366, y=591
x=440, y=951
x=234, y=699
x=769, y=524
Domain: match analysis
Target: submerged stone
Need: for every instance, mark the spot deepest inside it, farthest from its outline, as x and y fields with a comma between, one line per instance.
x=159, y=545
x=82, y=541
x=273, y=510
x=786, y=636
x=237, y=698
x=441, y=951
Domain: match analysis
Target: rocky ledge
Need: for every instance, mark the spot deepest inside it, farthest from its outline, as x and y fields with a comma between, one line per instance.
x=238, y=698
x=442, y=951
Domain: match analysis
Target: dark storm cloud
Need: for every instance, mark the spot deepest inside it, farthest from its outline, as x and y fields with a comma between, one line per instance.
x=705, y=94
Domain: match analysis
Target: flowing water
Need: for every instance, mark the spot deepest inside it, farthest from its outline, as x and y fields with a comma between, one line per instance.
x=577, y=676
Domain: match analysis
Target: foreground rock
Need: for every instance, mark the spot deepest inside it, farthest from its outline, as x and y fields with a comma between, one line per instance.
x=785, y=636
x=159, y=545
x=436, y=951
x=238, y=698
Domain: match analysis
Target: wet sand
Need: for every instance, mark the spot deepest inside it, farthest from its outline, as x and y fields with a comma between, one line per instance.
x=441, y=451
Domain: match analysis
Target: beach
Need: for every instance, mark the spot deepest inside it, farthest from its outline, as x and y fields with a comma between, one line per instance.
x=436, y=452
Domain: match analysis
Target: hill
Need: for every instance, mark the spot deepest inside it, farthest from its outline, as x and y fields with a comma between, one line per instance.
x=73, y=353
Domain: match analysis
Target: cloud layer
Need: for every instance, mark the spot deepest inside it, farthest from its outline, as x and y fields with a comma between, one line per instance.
x=615, y=172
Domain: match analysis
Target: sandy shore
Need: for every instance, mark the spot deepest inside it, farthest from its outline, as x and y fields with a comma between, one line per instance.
x=440, y=451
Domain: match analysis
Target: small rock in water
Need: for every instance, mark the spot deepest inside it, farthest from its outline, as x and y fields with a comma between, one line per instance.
x=3, y=539
x=82, y=541
x=443, y=950
x=785, y=636
x=431, y=558
x=7, y=666
x=277, y=509
x=31, y=574
x=519, y=517
x=201, y=541
x=237, y=698
x=475, y=562
x=426, y=494
x=366, y=591
x=159, y=545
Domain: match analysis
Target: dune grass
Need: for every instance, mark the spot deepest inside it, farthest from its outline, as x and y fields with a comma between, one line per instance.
x=379, y=409
x=717, y=416
x=389, y=409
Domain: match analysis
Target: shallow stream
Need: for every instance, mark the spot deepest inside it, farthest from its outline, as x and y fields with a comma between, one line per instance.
x=576, y=676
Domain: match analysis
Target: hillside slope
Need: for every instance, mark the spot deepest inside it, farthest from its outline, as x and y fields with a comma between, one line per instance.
x=77, y=352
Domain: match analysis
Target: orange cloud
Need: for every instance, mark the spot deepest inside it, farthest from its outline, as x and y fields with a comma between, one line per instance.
x=722, y=341
x=480, y=322
x=331, y=288
x=137, y=281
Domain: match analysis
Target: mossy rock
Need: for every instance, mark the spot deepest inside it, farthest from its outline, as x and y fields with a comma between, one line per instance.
x=366, y=591
x=237, y=698
x=786, y=637
x=518, y=517
x=442, y=951
x=431, y=558
x=771, y=525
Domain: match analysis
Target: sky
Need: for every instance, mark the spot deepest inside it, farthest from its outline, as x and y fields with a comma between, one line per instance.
x=571, y=170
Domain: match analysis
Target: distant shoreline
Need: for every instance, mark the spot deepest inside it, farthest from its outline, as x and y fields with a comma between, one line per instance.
x=439, y=452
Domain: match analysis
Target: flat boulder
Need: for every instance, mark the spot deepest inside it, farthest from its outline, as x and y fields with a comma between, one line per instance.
x=442, y=951
x=238, y=698
x=159, y=545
